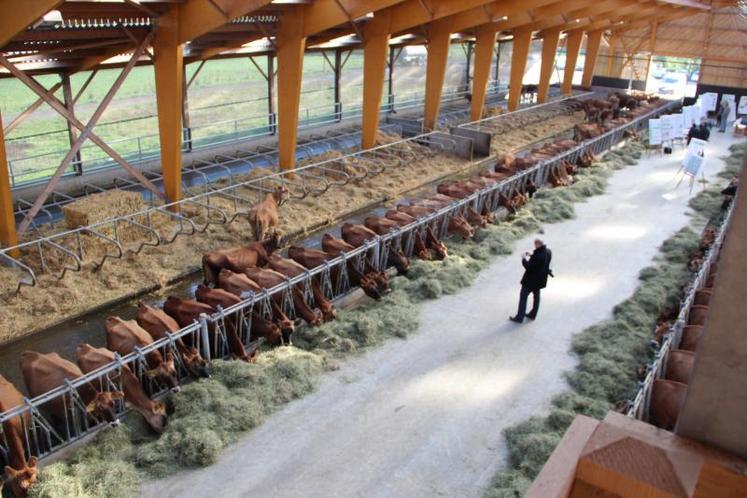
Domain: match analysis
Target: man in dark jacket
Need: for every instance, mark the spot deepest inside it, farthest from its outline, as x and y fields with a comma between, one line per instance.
x=537, y=268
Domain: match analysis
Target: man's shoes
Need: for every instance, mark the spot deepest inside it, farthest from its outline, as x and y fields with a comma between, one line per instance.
x=532, y=317
x=515, y=320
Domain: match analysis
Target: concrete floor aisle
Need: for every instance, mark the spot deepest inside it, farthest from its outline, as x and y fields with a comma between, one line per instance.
x=423, y=416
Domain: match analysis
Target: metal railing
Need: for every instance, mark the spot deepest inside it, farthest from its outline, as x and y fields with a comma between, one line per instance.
x=45, y=435
x=639, y=407
x=144, y=148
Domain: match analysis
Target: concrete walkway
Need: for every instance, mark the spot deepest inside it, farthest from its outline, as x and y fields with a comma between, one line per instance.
x=423, y=416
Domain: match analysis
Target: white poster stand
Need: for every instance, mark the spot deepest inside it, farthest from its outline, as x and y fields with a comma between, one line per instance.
x=742, y=108
x=692, y=164
x=654, y=132
x=667, y=129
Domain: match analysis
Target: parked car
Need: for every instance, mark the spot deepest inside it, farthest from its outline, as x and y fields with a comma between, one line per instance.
x=672, y=82
x=695, y=76
x=414, y=55
x=658, y=72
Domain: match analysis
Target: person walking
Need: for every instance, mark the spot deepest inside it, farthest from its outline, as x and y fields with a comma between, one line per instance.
x=536, y=271
x=724, y=112
x=693, y=133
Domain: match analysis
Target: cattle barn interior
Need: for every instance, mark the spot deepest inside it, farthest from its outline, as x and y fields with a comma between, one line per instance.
x=275, y=247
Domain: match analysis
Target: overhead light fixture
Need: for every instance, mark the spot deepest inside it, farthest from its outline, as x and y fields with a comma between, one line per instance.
x=577, y=20
x=503, y=18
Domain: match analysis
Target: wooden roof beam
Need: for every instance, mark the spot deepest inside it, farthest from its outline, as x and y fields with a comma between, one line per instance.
x=17, y=16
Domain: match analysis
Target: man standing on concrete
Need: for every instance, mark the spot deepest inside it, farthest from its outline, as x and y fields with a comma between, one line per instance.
x=537, y=268
x=724, y=112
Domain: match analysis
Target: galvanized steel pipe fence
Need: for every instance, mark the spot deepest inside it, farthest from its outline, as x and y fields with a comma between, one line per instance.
x=639, y=407
x=45, y=435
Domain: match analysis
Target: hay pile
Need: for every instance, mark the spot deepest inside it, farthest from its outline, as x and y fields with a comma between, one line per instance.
x=212, y=413
x=612, y=352
x=102, y=206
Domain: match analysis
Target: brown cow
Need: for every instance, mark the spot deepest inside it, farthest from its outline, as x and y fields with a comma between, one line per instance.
x=335, y=247
x=458, y=225
x=154, y=412
x=43, y=372
x=187, y=311
x=270, y=278
x=224, y=299
x=680, y=365
x=697, y=315
x=435, y=247
x=238, y=284
x=158, y=324
x=264, y=216
x=691, y=335
x=123, y=336
x=291, y=268
x=667, y=397
x=22, y=473
x=238, y=258
x=357, y=235
x=702, y=297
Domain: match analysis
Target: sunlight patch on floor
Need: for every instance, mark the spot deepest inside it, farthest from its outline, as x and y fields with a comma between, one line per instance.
x=616, y=232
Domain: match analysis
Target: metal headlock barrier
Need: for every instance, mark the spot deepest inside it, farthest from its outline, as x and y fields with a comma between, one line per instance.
x=638, y=408
x=46, y=434
x=59, y=253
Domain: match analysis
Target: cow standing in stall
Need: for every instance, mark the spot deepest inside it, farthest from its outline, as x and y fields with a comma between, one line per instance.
x=264, y=216
x=237, y=259
x=158, y=325
x=187, y=311
x=43, y=372
x=123, y=336
x=22, y=473
x=154, y=412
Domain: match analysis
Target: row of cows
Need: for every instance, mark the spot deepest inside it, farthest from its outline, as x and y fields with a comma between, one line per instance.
x=229, y=275
x=668, y=393
x=603, y=115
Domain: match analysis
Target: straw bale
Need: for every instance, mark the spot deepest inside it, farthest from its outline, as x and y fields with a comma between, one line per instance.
x=102, y=206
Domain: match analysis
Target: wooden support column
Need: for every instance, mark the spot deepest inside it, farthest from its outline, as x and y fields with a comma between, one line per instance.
x=72, y=135
x=290, y=49
x=522, y=40
x=375, y=50
x=592, y=50
x=484, y=46
x=439, y=35
x=572, y=47
x=8, y=234
x=168, y=62
x=549, y=49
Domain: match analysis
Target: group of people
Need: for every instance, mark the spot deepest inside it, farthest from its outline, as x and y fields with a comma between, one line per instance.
x=703, y=131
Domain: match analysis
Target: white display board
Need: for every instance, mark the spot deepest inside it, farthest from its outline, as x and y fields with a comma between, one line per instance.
x=667, y=128
x=709, y=100
x=742, y=109
x=678, y=124
x=732, y=106
x=692, y=165
x=690, y=115
x=654, y=131
x=696, y=148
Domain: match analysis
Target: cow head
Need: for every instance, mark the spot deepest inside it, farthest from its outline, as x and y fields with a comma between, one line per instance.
x=104, y=406
x=273, y=241
x=156, y=416
x=399, y=260
x=328, y=311
x=370, y=286
x=195, y=364
x=22, y=479
x=165, y=372
x=280, y=194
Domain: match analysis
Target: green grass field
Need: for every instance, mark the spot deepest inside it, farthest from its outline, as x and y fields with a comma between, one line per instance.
x=227, y=99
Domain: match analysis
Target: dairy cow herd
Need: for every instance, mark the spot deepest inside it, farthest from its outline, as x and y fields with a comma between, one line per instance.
x=230, y=273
